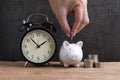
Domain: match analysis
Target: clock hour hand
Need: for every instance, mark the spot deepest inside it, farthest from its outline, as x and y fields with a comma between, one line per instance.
x=42, y=43
x=34, y=42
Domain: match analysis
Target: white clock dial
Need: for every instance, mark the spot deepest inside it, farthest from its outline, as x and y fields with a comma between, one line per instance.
x=38, y=46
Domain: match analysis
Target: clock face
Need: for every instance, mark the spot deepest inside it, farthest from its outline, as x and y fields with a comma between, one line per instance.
x=38, y=46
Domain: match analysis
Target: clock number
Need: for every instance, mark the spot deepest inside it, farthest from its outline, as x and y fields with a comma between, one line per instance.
x=49, y=52
x=28, y=40
x=43, y=35
x=45, y=57
x=25, y=46
x=48, y=39
x=32, y=35
x=38, y=58
x=38, y=34
x=51, y=46
x=32, y=56
x=27, y=52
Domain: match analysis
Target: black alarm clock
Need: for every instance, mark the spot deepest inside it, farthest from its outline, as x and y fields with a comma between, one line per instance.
x=38, y=44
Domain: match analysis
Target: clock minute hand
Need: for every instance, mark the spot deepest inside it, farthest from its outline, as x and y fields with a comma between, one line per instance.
x=34, y=42
x=42, y=43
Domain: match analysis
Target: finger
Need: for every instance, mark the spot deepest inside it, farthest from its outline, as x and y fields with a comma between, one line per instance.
x=78, y=19
x=62, y=18
x=85, y=20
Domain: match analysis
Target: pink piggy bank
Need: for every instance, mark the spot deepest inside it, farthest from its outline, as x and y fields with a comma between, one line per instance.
x=71, y=54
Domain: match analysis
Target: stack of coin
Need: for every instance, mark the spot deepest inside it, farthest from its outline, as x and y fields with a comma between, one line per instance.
x=94, y=57
x=92, y=61
x=88, y=63
x=99, y=65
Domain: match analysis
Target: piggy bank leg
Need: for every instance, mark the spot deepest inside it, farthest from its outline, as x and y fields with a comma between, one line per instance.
x=66, y=65
x=77, y=65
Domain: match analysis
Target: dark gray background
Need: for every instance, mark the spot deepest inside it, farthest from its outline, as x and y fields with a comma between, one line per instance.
x=101, y=36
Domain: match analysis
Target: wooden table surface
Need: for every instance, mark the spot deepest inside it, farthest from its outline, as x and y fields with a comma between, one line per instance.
x=16, y=71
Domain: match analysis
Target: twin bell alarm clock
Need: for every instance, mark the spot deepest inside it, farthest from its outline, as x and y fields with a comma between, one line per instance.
x=38, y=44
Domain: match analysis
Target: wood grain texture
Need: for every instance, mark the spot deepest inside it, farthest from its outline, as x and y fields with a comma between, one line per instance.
x=16, y=71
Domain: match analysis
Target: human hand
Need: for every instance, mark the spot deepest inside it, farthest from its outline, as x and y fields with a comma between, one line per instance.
x=62, y=8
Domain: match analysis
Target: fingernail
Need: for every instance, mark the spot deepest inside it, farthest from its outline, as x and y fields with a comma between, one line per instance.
x=73, y=34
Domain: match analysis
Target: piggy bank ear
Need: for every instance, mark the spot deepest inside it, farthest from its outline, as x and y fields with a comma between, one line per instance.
x=80, y=43
x=65, y=44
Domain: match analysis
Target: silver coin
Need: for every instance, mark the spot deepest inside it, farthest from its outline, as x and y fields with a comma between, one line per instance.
x=88, y=63
x=99, y=65
x=94, y=57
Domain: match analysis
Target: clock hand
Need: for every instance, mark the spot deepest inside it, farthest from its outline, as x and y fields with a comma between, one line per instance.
x=34, y=42
x=42, y=43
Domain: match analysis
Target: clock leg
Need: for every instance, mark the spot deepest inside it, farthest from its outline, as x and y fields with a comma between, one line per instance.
x=49, y=63
x=26, y=63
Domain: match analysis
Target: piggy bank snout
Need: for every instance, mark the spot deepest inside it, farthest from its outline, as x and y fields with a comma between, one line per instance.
x=73, y=56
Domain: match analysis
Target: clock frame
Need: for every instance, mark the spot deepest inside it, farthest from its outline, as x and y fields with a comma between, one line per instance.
x=53, y=54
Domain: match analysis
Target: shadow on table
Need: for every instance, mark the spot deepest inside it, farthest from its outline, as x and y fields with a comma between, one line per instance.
x=22, y=63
